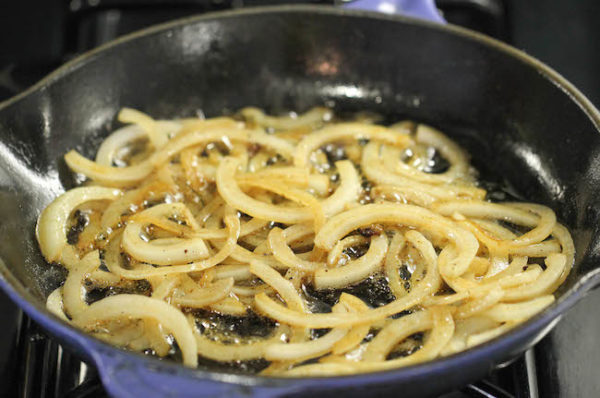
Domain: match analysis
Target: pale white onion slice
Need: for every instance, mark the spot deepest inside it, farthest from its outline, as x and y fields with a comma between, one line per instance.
x=454, y=154
x=312, y=117
x=118, y=139
x=112, y=257
x=412, y=216
x=442, y=329
x=236, y=198
x=148, y=124
x=108, y=175
x=124, y=136
x=394, y=332
x=307, y=349
x=375, y=170
x=234, y=352
x=345, y=131
x=518, y=311
x=51, y=229
x=165, y=251
x=540, y=218
x=285, y=255
x=346, y=193
x=54, y=304
x=136, y=306
x=356, y=270
x=281, y=285
x=73, y=289
x=424, y=288
x=204, y=296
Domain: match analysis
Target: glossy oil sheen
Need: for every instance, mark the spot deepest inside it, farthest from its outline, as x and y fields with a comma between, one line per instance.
x=517, y=118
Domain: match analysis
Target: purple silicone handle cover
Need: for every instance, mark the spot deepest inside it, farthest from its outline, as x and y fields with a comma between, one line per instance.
x=423, y=9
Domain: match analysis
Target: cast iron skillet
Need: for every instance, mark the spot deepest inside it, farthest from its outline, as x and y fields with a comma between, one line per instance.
x=518, y=117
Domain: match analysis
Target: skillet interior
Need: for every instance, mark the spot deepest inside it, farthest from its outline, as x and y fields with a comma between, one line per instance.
x=517, y=121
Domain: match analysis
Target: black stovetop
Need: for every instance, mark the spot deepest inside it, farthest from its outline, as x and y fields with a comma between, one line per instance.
x=35, y=38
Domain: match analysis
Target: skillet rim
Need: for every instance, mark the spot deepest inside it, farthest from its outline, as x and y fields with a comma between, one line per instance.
x=25, y=299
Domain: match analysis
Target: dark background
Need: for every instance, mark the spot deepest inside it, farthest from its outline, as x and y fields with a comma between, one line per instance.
x=565, y=34
x=37, y=36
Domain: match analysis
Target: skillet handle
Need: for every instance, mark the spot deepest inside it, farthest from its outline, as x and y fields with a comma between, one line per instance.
x=123, y=377
x=423, y=9
x=126, y=376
